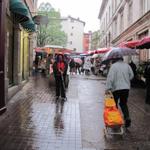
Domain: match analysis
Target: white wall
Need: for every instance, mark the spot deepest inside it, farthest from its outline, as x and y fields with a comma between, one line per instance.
x=75, y=31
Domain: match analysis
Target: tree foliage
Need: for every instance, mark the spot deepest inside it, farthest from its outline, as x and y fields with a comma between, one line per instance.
x=50, y=32
x=95, y=40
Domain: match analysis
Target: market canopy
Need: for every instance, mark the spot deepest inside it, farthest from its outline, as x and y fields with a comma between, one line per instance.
x=101, y=50
x=20, y=10
x=130, y=44
x=144, y=43
x=138, y=44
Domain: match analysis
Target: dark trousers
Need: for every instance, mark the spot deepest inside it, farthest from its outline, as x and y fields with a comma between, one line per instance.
x=122, y=97
x=60, y=86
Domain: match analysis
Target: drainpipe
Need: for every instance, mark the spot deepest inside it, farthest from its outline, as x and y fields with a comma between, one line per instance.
x=2, y=56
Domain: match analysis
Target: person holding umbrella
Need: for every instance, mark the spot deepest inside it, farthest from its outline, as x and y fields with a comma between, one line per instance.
x=60, y=71
x=118, y=82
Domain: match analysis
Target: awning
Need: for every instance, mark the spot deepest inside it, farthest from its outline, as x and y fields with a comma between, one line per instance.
x=29, y=25
x=130, y=44
x=20, y=10
x=144, y=43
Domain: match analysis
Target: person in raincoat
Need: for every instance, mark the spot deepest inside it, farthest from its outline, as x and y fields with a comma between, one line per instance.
x=118, y=81
x=60, y=71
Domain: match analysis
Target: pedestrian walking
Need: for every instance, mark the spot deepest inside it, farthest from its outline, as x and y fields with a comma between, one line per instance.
x=118, y=81
x=147, y=77
x=72, y=66
x=77, y=65
x=60, y=71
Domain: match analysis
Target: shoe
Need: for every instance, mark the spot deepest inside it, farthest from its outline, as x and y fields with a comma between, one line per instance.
x=64, y=99
x=57, y=97
x=127, y=123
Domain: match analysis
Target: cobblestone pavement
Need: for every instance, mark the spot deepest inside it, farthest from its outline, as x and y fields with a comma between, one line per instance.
x=35, y=121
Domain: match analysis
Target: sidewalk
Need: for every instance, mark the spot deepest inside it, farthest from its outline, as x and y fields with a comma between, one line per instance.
x=35, y=121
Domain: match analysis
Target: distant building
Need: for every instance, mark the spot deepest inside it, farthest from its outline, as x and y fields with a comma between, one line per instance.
x=124, y=20
x=87, y=41
x=74, y=28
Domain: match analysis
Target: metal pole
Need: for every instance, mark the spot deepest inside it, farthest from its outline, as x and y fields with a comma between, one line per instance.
x=2, y=56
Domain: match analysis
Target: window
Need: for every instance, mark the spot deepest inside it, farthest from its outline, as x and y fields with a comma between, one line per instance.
x=130, y=15
x=109, y=12
x=115, y=28
x=115, y=4
x=106, y=19
x=71, y=34
x=121, y=21
x=144, y=6
x=72, y=27
x=112, y=7
x=70, y=42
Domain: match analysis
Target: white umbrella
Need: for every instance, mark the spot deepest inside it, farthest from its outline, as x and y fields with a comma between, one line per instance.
x=117, y=52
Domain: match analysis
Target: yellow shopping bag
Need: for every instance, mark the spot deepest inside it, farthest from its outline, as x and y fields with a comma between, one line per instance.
x=112, y=116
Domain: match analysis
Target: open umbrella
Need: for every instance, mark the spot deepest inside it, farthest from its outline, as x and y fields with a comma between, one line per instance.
x=116, y=52
x=78, y=60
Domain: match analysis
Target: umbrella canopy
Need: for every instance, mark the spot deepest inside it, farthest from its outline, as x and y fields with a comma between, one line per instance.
x=117, y=52
x=39, y=49
x=144, y=43
x=78, y=60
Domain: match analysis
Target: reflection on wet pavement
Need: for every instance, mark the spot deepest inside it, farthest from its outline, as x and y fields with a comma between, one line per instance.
x=34, y=120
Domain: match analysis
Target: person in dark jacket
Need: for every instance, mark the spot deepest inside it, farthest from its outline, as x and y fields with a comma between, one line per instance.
x=147, y=77
x=72, y=66
x=60, y=71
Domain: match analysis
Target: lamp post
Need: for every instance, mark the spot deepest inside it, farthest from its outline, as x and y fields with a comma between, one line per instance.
x=2, y=56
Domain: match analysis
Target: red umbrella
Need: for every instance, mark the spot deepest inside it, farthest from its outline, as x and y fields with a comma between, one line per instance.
x=102, y=50
x=144, y=43
x=130, y=44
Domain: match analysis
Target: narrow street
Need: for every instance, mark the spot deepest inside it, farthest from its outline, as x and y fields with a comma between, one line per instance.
x=35, y=121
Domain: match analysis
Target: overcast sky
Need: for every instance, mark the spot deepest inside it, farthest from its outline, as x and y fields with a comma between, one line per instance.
x=86, y=10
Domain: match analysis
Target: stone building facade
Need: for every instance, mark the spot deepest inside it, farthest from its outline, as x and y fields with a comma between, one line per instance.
x=124, y=20
x=16, y=32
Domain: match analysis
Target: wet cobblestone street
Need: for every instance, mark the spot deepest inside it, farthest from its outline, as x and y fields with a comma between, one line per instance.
x=35, y=121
